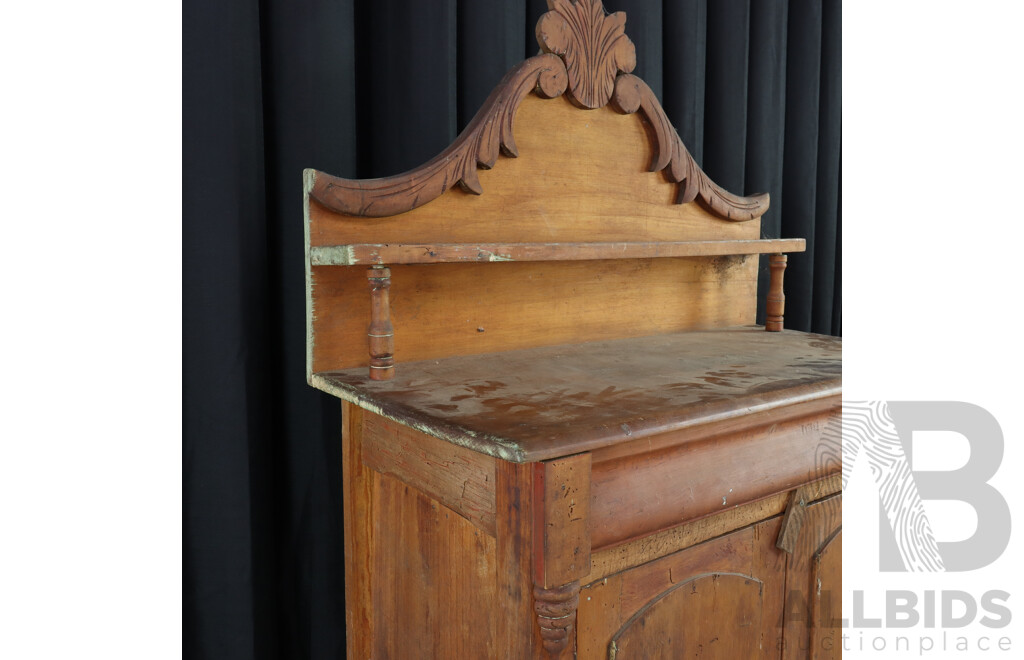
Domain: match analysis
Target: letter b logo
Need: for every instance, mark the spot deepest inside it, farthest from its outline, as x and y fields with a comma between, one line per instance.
x=884, y=431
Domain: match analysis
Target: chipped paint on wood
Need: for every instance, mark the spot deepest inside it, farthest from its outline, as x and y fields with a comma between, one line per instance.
x=728, y=251
x=484, y=443
x=334, y=255
x=567, y=399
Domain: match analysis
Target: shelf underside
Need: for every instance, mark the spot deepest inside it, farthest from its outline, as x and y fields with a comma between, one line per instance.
x=392, y=253
x=542, y=403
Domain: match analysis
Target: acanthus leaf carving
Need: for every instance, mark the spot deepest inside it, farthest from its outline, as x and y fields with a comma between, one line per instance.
x=489, y=133
x=671, y=156
x=588, y=54
x=593, y=44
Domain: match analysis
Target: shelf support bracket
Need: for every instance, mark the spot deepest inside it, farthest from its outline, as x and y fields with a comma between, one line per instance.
x=776, y=299
x=381, y=333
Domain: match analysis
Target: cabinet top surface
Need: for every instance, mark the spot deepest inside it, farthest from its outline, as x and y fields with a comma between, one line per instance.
x=542, y=403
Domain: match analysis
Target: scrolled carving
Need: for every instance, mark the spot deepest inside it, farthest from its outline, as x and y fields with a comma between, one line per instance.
x=556, y=615
x=593, y=44
x=589, y=54
x=670, y=154
x=489, y=133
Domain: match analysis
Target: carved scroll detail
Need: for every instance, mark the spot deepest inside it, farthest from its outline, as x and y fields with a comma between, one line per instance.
x=556, y=614
x=594, y=45
x=598, y=57
x=479, y=144
x=670, y=154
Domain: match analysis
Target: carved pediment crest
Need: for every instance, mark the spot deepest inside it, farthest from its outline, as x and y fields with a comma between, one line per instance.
x=593, y=45
x=586, y=54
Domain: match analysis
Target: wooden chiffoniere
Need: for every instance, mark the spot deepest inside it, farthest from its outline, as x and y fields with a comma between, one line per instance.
x=563, y=434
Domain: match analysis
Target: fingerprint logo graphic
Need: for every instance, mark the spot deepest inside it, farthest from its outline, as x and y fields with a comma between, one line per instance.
x=868, y=427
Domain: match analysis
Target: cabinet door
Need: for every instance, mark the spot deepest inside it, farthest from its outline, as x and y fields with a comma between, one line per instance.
x=814, y=585
x=719, y=599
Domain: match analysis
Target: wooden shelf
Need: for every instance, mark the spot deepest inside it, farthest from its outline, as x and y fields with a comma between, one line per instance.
x=542, y=403
x=395, y=253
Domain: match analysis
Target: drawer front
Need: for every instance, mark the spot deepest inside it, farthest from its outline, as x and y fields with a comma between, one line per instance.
x=634, y=496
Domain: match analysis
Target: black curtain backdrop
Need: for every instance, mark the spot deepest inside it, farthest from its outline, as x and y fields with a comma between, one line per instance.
x=361, y=89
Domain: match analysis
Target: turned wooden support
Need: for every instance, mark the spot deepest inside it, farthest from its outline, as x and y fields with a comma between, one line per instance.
x=776, y=299
x=381, y=333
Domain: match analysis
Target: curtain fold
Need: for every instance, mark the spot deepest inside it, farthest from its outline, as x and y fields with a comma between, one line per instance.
x=372, y=89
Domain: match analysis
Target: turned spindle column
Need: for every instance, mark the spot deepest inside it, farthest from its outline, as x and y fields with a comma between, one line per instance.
x=776, y=299
x=381, y=333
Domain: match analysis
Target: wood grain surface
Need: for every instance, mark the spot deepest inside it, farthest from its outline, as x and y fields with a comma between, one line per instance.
x=556, y=401
x=622, y=556
x=461, y=479
x=419, y=577
x=377, y=253
x=585, y=50
x=631, y=499
x=610, y=607
x=580, y=177
x=809, y=630
x=443, y=310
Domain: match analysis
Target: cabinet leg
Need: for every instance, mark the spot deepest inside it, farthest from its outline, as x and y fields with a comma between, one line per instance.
x=556, y=615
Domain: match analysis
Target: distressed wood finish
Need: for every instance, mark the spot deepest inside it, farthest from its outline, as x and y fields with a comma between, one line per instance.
x=587, y=449
x=623, y=556
x=545, y=403
x=562, y=533
x=676, y=623
x=583, y=176
x=793, y=520
x=357, y=489
x=631, y=500
x=811, y=627
x=439, y=310
x=461, y=479
x=611, y=606
x=561, y=545
x=827, y=599
x=419, y=577
x=351, y=255
x=518, y=629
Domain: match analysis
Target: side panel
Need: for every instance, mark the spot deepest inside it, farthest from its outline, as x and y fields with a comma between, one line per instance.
x=420, y=578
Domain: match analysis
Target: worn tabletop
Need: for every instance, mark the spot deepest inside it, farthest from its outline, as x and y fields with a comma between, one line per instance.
x=541, y=403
